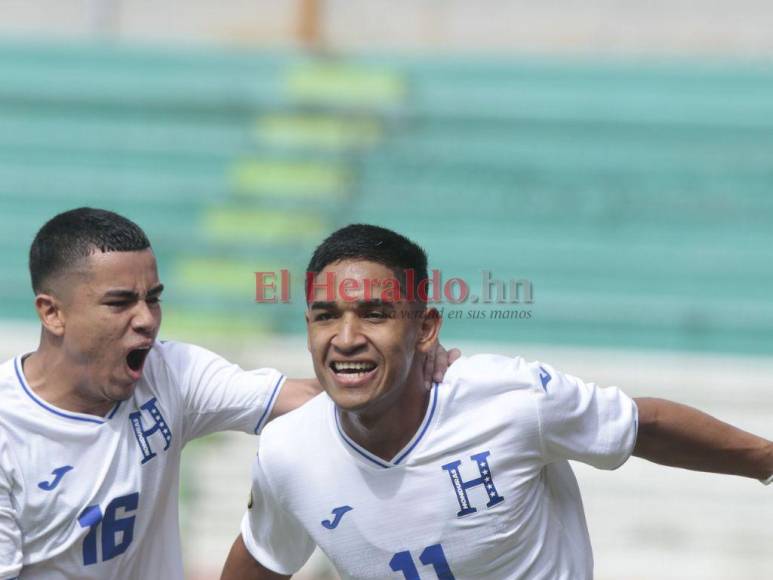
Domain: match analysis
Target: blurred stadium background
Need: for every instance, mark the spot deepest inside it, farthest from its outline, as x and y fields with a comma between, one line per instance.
x=619, y=155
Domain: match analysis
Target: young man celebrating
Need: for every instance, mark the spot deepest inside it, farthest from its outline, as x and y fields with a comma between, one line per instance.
x=92, y=424
x=470, y=480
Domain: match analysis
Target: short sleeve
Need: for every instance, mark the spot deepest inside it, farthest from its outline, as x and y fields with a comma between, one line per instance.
x=10, y=534
x=219, y=395
x=582, y=421
x=273, y=536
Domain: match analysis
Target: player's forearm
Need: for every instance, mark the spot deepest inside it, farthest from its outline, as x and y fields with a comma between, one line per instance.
x=681, y=436
x=294, y=393
x=240, y=565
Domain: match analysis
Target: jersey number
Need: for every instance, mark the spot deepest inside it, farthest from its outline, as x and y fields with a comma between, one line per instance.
x=117, y=532
x=431, y=556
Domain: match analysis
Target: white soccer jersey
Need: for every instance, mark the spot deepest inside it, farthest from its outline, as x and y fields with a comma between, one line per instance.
x=84, y=497
x=483, y=490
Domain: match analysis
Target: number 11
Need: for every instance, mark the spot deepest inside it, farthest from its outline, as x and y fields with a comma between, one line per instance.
x=432, y=555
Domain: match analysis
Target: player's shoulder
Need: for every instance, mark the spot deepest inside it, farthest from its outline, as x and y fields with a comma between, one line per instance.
x=170, y=359
x=8, y=374
x=11, y=386
x=298, y=431
x=490, y=374
x=292, y=445
x=7, y=458
x=173, y=351
x=10, y=413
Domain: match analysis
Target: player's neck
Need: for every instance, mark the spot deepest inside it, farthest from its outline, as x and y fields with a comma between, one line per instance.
x=387, y=431
x=54, y=380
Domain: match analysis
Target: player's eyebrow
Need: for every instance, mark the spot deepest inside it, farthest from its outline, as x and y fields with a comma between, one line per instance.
x=375, y=303
x=359, y=304
x=131, y=294
x=117, y=293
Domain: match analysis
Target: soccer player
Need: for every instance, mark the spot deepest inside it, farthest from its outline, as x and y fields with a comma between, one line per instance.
x=473, y=481
x=92, y=424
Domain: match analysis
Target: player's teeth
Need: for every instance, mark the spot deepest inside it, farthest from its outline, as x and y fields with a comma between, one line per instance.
x=359, y=367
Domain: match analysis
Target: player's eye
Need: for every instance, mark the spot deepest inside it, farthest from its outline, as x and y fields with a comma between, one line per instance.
x=376, y=314
x=322, y=316
x=153, y=299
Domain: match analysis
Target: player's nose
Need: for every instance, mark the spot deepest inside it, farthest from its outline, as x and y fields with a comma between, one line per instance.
x=348, y=335
x=146, y=319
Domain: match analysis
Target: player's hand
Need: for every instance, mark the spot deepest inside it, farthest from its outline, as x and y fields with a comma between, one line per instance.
x=437, y=362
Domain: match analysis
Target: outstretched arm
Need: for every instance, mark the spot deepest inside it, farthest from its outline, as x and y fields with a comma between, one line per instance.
x=240, y=565
x=681, y=436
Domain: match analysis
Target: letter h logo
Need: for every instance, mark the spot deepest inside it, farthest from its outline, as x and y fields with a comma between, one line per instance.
x=142, y=434
x=461, y=486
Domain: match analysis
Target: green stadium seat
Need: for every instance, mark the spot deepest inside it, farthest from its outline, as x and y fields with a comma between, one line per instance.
x=635, y=196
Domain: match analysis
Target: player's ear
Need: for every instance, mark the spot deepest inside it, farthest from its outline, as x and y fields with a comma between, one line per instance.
x=49, y=310
x=429, y=330
x=308, y=336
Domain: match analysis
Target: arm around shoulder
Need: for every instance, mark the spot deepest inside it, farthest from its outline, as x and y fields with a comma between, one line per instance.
x=294, y=393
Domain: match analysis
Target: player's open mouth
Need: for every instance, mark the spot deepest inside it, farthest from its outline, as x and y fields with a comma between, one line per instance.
x=353, y=372
x=135, y=360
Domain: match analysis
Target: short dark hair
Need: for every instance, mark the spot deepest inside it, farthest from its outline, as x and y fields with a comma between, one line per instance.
x=373, y=244
x=76, y=234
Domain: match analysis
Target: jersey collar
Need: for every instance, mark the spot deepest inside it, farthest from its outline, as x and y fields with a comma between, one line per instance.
x=82, y=417
x=400, y=457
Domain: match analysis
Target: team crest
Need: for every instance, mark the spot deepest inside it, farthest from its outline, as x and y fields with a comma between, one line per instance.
x=460, y=486
x=143, y=435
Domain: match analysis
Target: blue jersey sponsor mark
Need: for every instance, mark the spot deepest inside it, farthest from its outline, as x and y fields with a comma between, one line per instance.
x=338, y=513
x=544, y=378
x=58, y=474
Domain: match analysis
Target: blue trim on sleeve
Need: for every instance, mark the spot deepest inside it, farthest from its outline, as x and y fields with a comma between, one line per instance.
x=26, y=389
x=270, y=406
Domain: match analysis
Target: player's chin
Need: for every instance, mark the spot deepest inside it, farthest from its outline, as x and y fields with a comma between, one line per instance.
x=351, y=402
x=122, y=388
x=346, y=397
x=121, y=392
